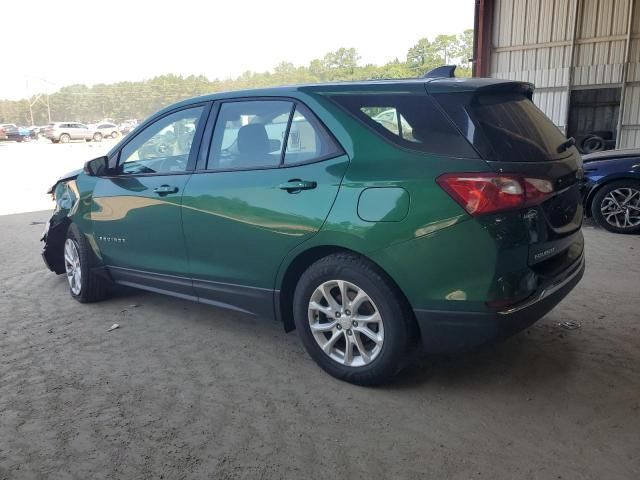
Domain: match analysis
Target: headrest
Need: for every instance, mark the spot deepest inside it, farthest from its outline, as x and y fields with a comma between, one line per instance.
x=253, y=139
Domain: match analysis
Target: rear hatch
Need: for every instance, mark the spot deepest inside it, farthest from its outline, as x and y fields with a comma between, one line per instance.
x=515, y=138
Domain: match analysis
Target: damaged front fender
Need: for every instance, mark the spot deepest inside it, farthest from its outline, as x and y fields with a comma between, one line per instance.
x=65, y=194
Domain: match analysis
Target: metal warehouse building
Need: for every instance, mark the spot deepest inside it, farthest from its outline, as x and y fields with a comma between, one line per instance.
x=583, y=56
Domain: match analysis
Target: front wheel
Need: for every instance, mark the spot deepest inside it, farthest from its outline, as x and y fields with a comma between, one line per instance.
x=616, y=206
x=97, y=137
x=352, y=320
x=84, y=285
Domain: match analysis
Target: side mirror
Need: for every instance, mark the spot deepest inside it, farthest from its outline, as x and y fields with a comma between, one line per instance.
x=97, y=167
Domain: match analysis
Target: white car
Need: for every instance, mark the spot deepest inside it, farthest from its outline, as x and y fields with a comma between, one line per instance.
x=105, y=130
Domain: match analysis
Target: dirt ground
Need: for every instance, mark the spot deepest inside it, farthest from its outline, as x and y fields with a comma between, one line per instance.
x=188, y=391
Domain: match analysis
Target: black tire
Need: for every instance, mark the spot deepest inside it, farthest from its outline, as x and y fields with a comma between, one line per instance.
x=97, y=137
x=93, y=287
x=396, y=317
x=592, y=143
x=600, y=198
x=114, y=135
x=54, y=141
x=64, y=138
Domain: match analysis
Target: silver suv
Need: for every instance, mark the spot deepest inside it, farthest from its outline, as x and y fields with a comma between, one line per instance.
x=64, y=132
x=105, y=130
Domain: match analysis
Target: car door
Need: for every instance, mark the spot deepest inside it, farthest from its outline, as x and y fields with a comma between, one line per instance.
x=77, y=131
x=136, y=211
x=268, y=181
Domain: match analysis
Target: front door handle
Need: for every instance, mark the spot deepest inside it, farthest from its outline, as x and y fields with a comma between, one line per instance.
x=165, y=190
x=296, y=185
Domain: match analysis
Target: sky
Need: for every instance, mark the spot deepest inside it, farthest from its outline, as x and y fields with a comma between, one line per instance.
x=65, y=42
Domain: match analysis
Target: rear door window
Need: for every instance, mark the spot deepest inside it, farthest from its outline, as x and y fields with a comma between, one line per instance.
x=504, y=127
x=411, y=121
x=308, y=140
x=249, y=134
x=253, y=134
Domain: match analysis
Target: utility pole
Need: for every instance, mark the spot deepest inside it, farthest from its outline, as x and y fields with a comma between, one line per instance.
x=26, y=81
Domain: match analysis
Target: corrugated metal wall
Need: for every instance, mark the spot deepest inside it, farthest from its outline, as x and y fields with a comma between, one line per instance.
x=560, y=45
x=630, y=131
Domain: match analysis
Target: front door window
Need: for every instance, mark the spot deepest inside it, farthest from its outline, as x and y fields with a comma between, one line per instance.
x=163, y=147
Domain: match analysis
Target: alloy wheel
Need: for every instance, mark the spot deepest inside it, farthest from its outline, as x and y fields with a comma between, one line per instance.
x=621, y=207
x=345, y=323
x=72, y=266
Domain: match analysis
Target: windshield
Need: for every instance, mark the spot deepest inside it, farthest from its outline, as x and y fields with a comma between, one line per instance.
x=504, y=127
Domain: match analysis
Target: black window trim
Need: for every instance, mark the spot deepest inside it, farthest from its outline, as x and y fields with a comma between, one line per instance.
x=201, y=166
x=114, y=160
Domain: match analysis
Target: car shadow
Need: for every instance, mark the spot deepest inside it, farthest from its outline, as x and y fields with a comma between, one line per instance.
x=536, y=356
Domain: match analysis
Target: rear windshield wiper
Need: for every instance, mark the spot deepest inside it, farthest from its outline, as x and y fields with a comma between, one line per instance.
x=564, y=146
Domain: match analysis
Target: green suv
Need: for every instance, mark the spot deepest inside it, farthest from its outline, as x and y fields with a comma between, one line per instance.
x=452, y=224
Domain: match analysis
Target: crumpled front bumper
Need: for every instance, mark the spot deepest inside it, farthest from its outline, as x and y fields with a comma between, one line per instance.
x=54, y=236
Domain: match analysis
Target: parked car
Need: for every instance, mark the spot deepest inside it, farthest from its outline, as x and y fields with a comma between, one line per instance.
x=37, y=131
x=612, y=189
x=64, y=132
x=14, y=133
x=389, y=120
x=105, y=130
x=127, y=126
x=294, y=203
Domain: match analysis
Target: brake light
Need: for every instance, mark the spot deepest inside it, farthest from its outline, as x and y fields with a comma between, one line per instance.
x=480, y=193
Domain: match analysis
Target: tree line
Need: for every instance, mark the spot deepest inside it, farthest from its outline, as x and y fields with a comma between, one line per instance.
x=125, y=100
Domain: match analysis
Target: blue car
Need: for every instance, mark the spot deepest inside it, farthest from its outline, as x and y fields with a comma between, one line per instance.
x=612, y=189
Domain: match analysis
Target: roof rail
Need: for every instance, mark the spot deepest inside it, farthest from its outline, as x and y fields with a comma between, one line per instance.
x=444, y=71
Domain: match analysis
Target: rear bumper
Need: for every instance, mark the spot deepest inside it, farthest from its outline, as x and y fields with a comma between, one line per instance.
x=450, y=331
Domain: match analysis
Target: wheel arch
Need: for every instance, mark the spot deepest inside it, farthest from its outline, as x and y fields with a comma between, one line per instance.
x=303, y=260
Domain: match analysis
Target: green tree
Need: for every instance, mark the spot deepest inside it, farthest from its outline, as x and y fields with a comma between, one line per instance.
x=446, y=47
x=421, y=57
x=465, y=44
x=124, y=100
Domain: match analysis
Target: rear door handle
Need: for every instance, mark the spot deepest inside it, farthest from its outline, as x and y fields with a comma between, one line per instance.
x=296, y=185
x=165, y=189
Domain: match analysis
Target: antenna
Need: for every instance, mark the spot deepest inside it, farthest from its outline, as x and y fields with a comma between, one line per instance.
x=445, y=71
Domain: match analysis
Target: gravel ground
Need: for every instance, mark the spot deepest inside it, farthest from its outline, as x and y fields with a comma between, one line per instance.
x=183, y=390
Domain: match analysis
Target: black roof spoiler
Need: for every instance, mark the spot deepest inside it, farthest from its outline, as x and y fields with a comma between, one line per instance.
x=444, y=71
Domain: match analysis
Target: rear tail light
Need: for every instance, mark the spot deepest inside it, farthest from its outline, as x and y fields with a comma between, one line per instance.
x=480, y=193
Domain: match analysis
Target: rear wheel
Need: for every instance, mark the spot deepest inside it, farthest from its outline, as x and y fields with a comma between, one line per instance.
x=65, y=138
x=352, y=320
x=616, y=206
x=97, y=137
x=114, y=135
x=84, y=285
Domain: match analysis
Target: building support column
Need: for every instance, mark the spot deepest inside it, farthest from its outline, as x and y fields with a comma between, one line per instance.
x=483, y=22
x=625, y=69
x=577, y=13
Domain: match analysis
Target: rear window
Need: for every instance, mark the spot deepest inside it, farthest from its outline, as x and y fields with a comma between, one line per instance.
x=408, y=120
x=504, y=127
